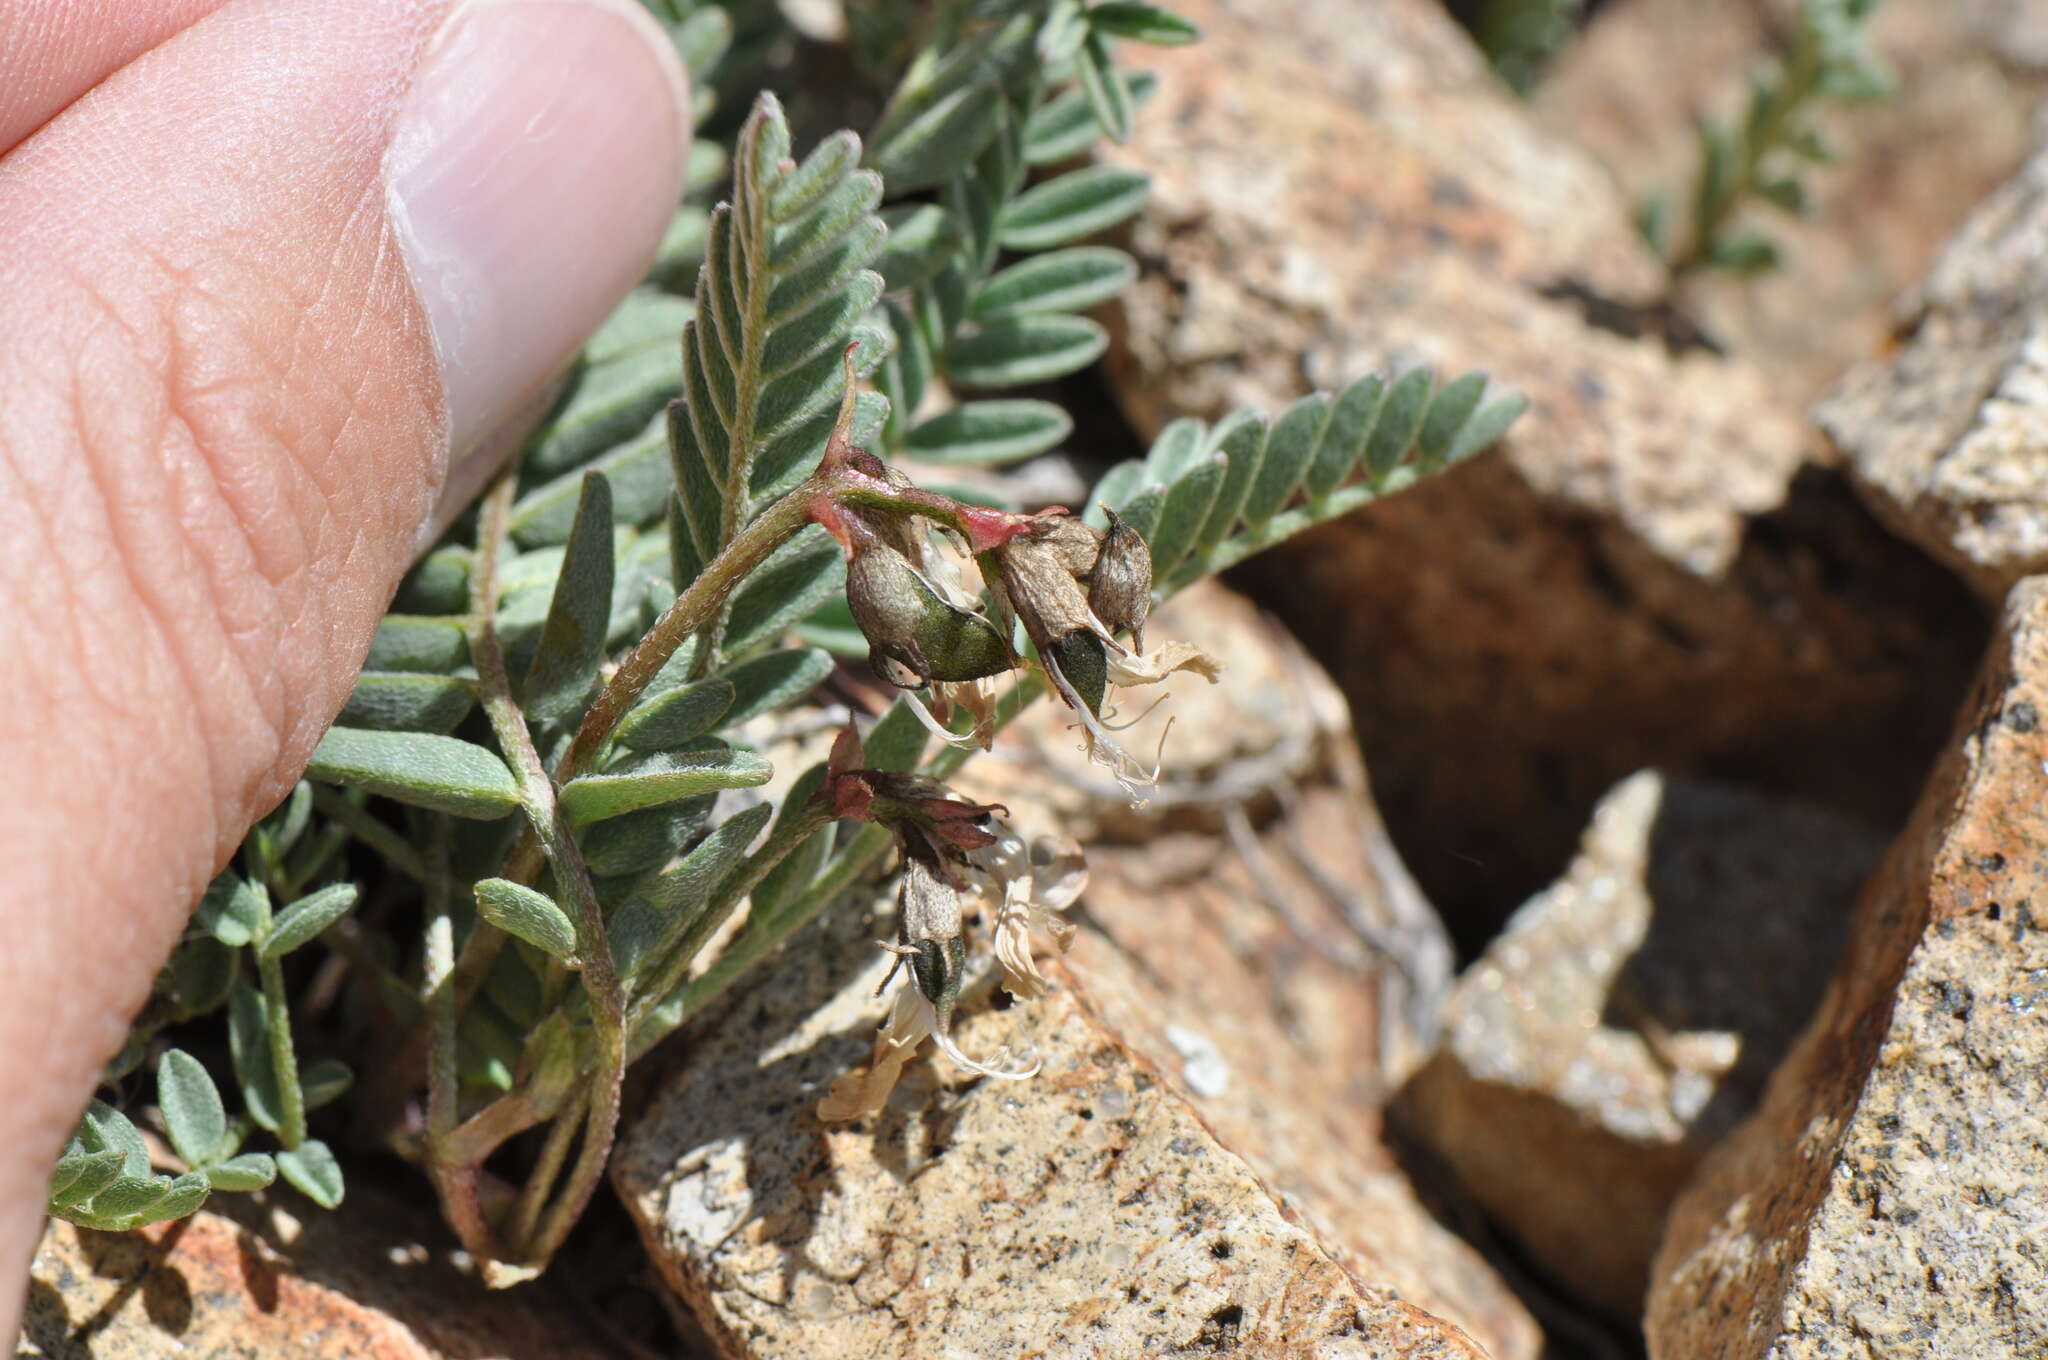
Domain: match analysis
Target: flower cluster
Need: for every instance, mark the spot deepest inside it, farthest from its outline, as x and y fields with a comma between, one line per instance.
x=1073, y=593
x=1070, y=588
x=949, y=846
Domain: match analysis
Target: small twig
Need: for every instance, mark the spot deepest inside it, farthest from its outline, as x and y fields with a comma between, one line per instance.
x=340, y=808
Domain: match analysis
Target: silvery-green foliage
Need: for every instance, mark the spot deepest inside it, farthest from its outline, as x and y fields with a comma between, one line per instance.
x=1758, y=159
x=1207, y=497
x=987, y=286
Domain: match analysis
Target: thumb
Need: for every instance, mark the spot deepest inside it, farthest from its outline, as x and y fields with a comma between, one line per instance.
x=262, y=281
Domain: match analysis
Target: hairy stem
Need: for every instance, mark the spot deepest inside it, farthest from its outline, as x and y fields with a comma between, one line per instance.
x=693, y=609
x=533, y=1196
x=277, y=1011
x=572, y=876
x=395, y=850
x=731, y=893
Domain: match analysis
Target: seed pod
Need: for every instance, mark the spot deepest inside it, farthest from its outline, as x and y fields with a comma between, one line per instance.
x=929, y=925
x=914, y=634
x=1120, y=592
x=1040, y=589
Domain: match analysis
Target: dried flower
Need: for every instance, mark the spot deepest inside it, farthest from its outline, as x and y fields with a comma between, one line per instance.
x=1029, y=886
x=929, y=941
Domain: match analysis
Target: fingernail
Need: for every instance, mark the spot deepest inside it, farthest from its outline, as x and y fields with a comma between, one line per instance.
x=536, y=161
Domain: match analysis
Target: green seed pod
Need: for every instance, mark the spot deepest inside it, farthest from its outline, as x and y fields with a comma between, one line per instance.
x=915, y=635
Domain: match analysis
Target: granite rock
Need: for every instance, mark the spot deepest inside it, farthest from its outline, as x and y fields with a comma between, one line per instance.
x=362, y=1283
x=1948, y=437
x=1890, y=1196
x=1648, y=573
x=1630, y=1014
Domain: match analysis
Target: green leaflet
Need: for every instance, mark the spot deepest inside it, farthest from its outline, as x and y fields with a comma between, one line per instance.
x=653, y=780
x=573, y=635
x=529, y=915
x=441, y=773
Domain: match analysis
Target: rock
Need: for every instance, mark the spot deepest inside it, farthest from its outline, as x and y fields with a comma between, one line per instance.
x=1634, y=85
x=1196, y=1166
x=1630, y=1014
x=1648, y=574
x=357, y=1283
x=1948, y=437
x=1889, y=1197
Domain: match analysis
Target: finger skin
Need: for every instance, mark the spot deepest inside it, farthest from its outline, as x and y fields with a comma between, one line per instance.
x=222, y=427
x=53, y=51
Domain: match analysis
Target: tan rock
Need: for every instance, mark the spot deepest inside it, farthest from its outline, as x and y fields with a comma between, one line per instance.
x=1630, y=1014
x=1635, y=83
x=1949, y=436
x=1890, y=1197
x=1196, y=1166
x=1647, y=574
x=360, y=1283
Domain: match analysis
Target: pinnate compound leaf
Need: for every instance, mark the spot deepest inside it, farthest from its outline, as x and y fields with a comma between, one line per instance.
x=303, y=920
x=312, y=1170
x=444, y=774
x=193, y=1114
x=528, y=915
x=784, y=287
x=1243, y=486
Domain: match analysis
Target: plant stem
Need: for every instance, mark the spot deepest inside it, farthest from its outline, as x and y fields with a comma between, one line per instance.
x=395, y=850
x=291, y=1098
x=437, y=995
x=541, y=1180
x=692, y=610
x=1796, y=81
x=572, y=877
